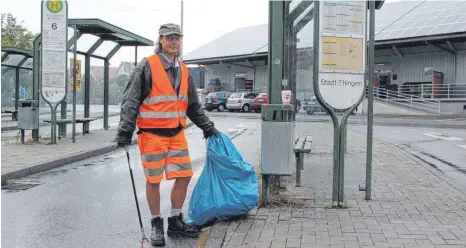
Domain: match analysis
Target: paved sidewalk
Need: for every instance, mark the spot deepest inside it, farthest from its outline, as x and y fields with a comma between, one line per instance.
x=412, y=205
x=20, y=160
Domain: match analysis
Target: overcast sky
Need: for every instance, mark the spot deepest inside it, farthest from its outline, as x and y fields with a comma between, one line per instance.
x=204, y=20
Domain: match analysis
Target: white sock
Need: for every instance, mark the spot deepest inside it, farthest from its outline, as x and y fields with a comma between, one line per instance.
x=155, y=216
x=175, y=212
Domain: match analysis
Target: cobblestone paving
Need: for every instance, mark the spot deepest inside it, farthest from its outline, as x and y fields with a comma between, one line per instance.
x=410, y=207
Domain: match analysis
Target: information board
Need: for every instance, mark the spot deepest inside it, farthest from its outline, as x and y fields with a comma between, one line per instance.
x=54, y=50
x=343, y=17
x=342, y=52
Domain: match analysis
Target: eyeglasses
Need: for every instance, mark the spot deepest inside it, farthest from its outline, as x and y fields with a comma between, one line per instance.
x=173, y=37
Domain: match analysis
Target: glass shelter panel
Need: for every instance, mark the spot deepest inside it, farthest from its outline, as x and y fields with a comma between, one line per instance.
x=13, y=59
x=105, y=48
x=8, y=87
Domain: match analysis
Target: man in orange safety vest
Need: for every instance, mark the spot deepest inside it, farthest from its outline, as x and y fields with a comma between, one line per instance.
x=159, y=97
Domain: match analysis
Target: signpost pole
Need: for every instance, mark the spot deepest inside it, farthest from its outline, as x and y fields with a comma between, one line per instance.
x=75, y=62
x=370, y=100
x=54, y=35
x=52, y=123
x=339, y=69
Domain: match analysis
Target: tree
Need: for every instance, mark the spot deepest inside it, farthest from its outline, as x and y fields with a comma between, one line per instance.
x=14, y=34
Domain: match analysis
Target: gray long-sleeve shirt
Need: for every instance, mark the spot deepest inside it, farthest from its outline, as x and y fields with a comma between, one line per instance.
x=139, y=87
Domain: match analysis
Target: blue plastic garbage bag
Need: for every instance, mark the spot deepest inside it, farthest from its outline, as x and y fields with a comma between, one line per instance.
x=227, y=186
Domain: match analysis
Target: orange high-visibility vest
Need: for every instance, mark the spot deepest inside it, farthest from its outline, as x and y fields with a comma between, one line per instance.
x=162, y=108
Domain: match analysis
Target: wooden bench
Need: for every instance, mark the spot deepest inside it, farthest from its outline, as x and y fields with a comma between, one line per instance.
x=14, y=114
x=302, y=145
x=84, y=121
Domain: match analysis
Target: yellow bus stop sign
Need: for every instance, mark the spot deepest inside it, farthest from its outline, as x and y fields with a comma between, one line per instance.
x=54, y=6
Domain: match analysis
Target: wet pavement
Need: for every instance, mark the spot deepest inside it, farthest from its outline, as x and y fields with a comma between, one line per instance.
x=91, y=203
x=442, y=149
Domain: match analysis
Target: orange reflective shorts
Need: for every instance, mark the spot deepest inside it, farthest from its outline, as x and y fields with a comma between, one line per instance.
x=169, y=154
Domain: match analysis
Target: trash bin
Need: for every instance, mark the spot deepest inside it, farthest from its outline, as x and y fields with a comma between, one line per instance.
x=277, y=141
x=28, y=114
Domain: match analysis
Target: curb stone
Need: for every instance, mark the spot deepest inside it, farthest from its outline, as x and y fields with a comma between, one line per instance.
x=63, y=161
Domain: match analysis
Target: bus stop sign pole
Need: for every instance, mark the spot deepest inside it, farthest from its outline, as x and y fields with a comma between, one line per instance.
x=54, y=53
x=339, y=70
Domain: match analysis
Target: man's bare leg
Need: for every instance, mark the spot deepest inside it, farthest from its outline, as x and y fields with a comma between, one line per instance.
x=179, y=191
x=153, y=197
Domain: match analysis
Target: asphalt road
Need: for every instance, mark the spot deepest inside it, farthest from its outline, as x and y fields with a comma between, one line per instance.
x=91, y=203
x=442, y=149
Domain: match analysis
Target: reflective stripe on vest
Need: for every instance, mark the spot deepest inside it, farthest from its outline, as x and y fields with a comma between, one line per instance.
x=162, y=108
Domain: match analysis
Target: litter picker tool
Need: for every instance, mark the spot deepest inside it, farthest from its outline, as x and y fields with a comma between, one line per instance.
x=144, y=238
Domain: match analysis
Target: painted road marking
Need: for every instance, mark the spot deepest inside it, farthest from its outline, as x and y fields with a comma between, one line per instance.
x=454, y=119
x=245, y=125
x=443, y=137
x=462, y=146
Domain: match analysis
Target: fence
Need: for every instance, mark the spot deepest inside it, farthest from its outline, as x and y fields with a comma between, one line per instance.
x=409, y=101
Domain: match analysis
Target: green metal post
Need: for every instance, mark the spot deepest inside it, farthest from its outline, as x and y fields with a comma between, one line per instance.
x=35, y=80
x=276, y=42
x=370, y=100
x=87, y=90
x=75, y=49
x=106, y=92
x=107, y=83
x=16, y=88
x=135, y=55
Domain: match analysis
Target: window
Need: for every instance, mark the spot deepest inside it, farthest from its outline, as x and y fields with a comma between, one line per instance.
x=261, y=95
x=237, y=95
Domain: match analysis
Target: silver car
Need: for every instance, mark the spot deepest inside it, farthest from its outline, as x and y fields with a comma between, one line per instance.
x=241, y=101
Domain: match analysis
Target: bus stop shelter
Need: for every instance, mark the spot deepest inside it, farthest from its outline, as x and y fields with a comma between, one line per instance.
x=16, y=59
x=109, y=38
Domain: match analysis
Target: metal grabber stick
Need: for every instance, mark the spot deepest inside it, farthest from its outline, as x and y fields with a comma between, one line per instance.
x=144, y=238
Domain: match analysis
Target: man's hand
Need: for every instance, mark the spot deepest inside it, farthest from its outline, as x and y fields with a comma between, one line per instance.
x=210, y=133
x=123, y=139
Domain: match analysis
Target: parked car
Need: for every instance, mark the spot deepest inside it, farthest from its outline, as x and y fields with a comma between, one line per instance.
x=262, y=98
x=241, y=101
x=217, y=100
x=313, y=106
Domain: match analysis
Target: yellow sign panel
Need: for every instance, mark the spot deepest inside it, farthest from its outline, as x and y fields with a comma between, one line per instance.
x=78, y=74
x=342, y=53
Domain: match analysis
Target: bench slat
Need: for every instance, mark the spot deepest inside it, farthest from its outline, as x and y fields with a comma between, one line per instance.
x=307, y=147
x=86, y=119
x=299, y=145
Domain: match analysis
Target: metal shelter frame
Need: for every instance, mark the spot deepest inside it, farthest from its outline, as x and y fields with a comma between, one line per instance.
x=105, y=32
x=24, y=55
x=282, y=73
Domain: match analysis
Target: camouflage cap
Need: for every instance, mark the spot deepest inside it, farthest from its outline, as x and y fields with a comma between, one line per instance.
x=170, y=28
